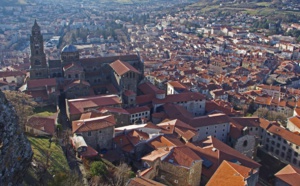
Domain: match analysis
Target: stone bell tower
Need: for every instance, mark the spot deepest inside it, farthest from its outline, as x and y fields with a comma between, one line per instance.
x=38, y=63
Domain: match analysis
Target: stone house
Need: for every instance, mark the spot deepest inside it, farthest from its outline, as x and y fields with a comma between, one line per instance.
x=97, y=132
x=72, y=90
x=175, y=166
x=229, y=173
x=41, y=126
x=125, y=76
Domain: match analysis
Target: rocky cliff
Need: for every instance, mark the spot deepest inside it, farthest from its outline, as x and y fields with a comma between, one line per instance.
x=15, y=149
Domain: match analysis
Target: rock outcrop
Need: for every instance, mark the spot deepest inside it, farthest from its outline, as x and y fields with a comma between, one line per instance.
x=15, y=149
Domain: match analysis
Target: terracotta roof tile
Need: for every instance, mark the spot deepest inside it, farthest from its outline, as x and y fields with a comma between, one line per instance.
x=78, y=106
x=123, y=67
x=182, y=156
x=231, y=174
x=295, y=120
x=36, y=83
x=289, y=174
x=45, y=124
x=92, y=124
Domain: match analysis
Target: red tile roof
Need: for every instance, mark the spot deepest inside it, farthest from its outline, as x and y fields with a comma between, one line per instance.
x=4, y=74
x=137, y=109
x=36, y=83
x=216, y=151
x=75, y=83
x=164, y=141
x=123, y=67
x=45, y=124
x=182, y=156
x=231, y=174
x=78, y=106
x=149, y=88
x=186, y=96
x=285, y=134
x=289, y=174
x=179, y=127
x=296, y=121
x=212, y=119
x=92, y=124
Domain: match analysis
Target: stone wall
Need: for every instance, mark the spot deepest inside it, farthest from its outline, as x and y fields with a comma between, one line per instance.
x=15, y=149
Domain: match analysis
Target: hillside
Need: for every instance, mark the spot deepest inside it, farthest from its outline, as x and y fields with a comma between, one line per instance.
x=12, y=2
x=272, y=10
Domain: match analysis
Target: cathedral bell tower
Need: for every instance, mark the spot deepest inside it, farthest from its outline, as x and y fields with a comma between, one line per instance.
x=38, y=64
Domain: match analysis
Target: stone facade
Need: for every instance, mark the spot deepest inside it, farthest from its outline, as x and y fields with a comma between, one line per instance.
x=99, y=139
x=38, y=63
x=15, y=149
x=246, y=145
x=181, y=176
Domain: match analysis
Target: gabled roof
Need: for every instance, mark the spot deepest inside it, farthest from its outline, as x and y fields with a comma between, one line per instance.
x=214, y=151
x=185, y=96
x=137, y=109
x=231, y=174
x=92, y=124
x=76, y=83
x=164, y=141
x=36, y=83
x=182, y=156
x=45, y=124
x=122, y=67
x=11, y=73
x=149, y=88
x=212, y=119
x=179, y=127
x=285, y=134
x=289, y=174
x=78, y=106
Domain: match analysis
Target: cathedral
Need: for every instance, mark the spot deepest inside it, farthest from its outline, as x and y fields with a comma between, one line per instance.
x=74, y=77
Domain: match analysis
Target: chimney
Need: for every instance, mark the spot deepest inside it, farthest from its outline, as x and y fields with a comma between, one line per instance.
x=138, y=174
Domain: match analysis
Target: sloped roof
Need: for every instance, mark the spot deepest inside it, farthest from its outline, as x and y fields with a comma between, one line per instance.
x=289, y=174
x=215, y=151
x=185, y=96
x=179, y=127
x=78, y=106
x=45, y=124
x=121, y=67
x=296, y=121
x=36, y=83
x=92, y=124
x=231, y=174
x=182, y=156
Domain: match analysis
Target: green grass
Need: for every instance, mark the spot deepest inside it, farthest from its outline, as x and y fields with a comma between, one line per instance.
x=50, y=109
x=44, y=114
x=58, y=162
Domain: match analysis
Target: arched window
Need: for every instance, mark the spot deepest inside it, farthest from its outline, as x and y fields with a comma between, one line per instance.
x=245, y=143
x=37, y=62
x=76, y=75
x=37, y=52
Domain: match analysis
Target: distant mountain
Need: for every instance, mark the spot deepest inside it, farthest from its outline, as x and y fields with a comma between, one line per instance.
x=12, y=2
